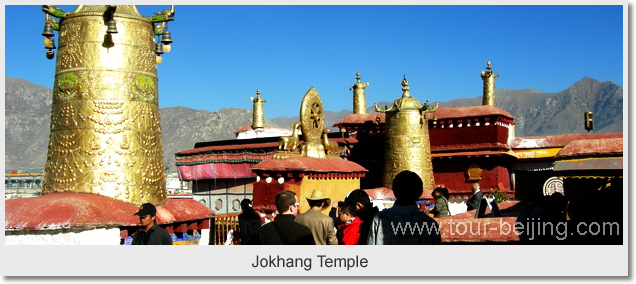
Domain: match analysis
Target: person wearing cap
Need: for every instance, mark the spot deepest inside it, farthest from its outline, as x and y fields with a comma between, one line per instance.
x=283, y=230
x=151, y=233
x=321, y=225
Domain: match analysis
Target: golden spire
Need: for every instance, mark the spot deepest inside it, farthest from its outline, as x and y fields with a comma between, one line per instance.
x=258, y=116
x=489, y=85
x=359, y=98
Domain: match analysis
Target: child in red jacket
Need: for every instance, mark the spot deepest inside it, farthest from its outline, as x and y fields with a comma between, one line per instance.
x=349, y=231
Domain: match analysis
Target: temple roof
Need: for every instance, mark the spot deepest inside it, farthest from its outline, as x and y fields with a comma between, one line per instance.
x=592, y=147
x=249, y=128
x=305, y=164
x=532, y=142
x=85, y=210
x=441, y=113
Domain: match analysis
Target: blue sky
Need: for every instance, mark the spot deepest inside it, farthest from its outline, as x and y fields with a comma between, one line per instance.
x=222, y=54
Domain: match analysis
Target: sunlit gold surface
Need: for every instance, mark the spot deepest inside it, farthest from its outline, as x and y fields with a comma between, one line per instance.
x=359, y=98
x=489, y=86
x=407, y=144
x=105, y=132
x=258, y=116
x=312, y=123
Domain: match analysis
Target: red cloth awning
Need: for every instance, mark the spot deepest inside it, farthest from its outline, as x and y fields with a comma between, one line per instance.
x=215, y=171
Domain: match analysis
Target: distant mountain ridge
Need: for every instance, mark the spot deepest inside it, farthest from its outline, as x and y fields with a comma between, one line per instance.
x=28, y=111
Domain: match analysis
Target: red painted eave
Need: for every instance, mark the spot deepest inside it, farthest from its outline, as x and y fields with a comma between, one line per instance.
x=552, y=141
x=84, y=210
x=439, y=114
x=305, y=164
x=592, y=147
x=267, y=145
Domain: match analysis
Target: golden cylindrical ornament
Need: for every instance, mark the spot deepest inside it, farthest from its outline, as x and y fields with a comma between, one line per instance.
x=105, y=132
x=407, y=142
x=258, y=115
x=359, y=96
x=488, y=97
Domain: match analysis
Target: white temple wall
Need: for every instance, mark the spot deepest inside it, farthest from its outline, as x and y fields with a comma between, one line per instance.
x=101, y=236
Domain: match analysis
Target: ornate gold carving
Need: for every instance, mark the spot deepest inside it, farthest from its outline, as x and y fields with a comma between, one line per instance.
x=105, y=130
x=290, y=143
x=312, y=124
x=489, y=86
x=407, y=145
x=359, y=98
x=474, y=172
x=330, y=146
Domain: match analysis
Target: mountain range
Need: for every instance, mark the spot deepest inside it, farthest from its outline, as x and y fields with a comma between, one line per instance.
x=28, y=110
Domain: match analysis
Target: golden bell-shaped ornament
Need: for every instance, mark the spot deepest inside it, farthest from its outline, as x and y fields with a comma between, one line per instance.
x=112, y=27
x=48, y=30
x=166, y=38
x=158, y=48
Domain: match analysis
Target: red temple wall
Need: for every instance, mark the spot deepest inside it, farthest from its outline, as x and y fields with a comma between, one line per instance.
x=457, y=136
x=453, y=174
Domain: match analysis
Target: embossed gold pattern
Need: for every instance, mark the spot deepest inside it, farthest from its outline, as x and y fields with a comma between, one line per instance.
x=312, y=123
x=489, y=86
x=105, y=131
x=407, y=144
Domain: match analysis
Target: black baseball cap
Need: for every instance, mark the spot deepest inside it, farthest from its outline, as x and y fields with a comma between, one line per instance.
x=146, y=209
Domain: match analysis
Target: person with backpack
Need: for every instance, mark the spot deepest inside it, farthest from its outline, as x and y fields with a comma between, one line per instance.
x=441, y=208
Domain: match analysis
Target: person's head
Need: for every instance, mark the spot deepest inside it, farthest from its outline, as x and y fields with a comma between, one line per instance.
x=146, y=214
x=287, y=202
x=407, y=187
x=358, y=199
x=345, y=212
x=475, y=187
x=318, y=200
x=438, y=191
x=246, y=205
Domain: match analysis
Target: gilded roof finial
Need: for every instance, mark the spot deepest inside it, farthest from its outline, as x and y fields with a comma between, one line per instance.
x=359, y=99
x=405, y=87
x=489, y=85
x=258, y=117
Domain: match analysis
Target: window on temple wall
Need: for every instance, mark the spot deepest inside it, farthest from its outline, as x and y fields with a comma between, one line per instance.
x=218, y=204
x=474, y=172
x=236, y=205
x=553, y=185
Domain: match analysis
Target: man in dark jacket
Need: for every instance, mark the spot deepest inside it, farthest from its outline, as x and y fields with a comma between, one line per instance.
x=473, y=201
x=283, y=230
x=151, y=233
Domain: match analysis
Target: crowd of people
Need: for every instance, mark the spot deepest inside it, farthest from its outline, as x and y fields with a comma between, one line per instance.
x=354, y=221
